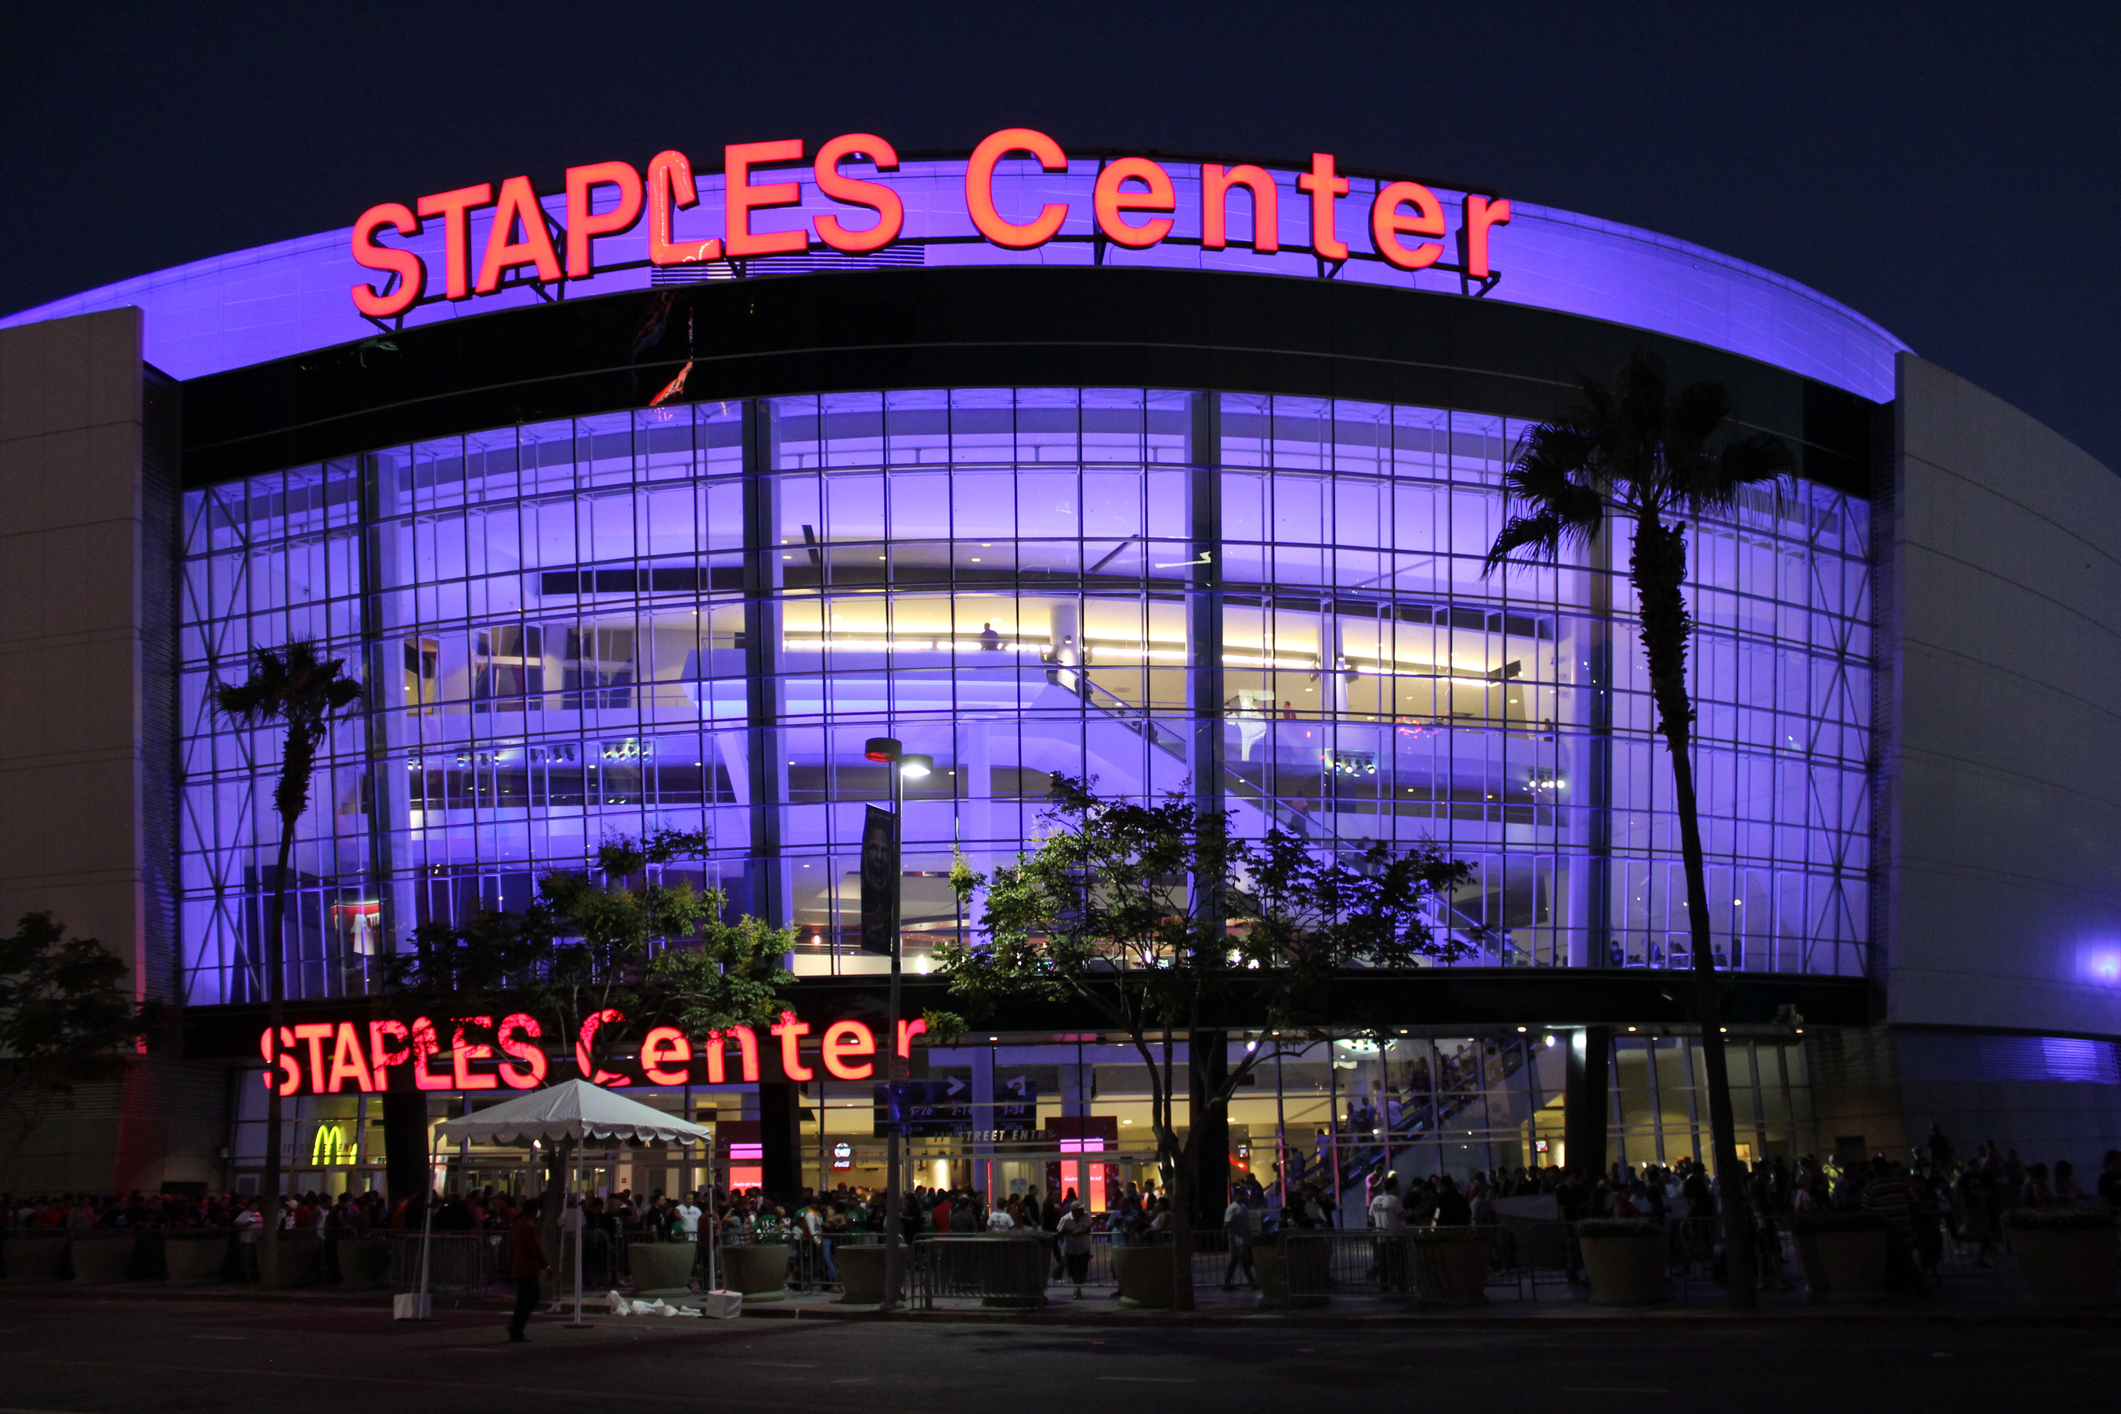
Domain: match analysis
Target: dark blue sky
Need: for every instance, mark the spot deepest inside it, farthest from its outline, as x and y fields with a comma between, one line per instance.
x=1953, y=171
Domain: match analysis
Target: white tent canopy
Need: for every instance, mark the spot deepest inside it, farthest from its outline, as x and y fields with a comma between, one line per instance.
x=573, y=1109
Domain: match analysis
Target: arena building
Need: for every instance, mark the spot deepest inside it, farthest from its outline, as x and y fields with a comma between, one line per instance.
x=646, y=502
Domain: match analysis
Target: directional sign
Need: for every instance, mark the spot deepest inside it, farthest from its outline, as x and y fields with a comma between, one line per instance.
x=941, y=1107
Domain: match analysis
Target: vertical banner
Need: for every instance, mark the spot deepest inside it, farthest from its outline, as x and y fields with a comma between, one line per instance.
x=880, y=877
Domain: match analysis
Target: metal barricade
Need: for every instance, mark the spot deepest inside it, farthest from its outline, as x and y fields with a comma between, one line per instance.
x=460, y=1263
x=999, y=1269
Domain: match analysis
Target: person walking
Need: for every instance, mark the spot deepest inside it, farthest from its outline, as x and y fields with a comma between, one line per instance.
x=526, y=1263
x=1388, y=1218
x=1237, y=1223
x=1074, y=1232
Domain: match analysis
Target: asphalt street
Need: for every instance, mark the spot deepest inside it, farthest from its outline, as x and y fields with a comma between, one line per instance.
x=143, y=1357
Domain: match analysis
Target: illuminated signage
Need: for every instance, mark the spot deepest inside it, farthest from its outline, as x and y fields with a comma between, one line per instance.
x=1133, y=204
x=364, y=1057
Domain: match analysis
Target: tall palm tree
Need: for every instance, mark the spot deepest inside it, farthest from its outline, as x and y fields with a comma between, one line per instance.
x=1630, y=449
x=294, y=687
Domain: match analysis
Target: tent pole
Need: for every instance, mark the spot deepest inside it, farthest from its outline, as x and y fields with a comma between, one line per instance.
x=427, y=1211
x=581, y=1225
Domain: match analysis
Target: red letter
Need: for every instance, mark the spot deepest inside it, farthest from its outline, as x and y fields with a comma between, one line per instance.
x=792, y=1031
x=412, y=271
x=747, y=1043
x=979, y=188
x=424, y=1046
x=347, y=1063
x=890, y=211
x=670, y=186
x=740, y=198
x=381, y=1055
x=290, y=1066
x=314, y=1032
x=455, y=209
x=533, y=1058
x=1480, y=215
x=848, y=1038
x=1386, y=224
x=581, y=1049
x=1215, y=186
x=503, y=252
x=1324, y=186
x=1109, y=201
x=665, y=1043
x=582, y=227
x=461, y=1054
x=907, y=1030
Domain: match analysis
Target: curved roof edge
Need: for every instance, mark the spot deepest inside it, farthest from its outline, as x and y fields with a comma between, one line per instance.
x=291, y=297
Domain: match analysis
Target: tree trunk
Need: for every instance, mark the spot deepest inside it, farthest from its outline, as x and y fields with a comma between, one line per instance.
x=1182, y=1298
x=276, y=1017
x=558, y=1158
x=1659, y=566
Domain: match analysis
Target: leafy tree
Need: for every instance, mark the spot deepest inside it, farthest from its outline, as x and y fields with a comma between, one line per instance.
x=301, y=692
x=613, y=945
x=1159, y=919
x=67, y=1018
x=1632, y=450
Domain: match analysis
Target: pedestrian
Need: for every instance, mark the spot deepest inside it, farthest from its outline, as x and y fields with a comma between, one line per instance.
x=1237, y=1223
x=526, y=1263
x=1388, y=1216
x=1074, y=1231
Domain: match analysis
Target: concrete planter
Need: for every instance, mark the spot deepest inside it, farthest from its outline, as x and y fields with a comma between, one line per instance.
x=1293, y=1273
x=363, y=1261
x=1144, y=1275
x=1854, y=1263
x=2066, y=1266
x=1625, y=1261
x=195, y=1256
x=1449, y=1266
x=30, y=1260
x=758, y=1270
x=661, y=1268
x=102, y=1257
x=861, y=1273
x=1814, y=1269
x=300, y=1256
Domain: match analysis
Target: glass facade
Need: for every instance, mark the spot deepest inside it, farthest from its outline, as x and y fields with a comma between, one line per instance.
x=694, y=617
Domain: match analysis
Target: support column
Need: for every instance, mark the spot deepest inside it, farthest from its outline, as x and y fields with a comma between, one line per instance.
x=1204, y=600
x=405, y=1143
x=780, y=1138
x=766, y=772
x=1584, y=1112
x=1207, y=1066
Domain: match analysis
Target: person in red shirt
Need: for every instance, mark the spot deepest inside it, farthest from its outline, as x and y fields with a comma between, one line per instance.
x=526, y=1263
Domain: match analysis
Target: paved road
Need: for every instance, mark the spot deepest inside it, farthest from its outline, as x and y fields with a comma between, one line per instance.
x=145, y=1357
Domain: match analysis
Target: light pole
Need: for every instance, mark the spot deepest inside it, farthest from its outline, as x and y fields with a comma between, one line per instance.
x=903, y=768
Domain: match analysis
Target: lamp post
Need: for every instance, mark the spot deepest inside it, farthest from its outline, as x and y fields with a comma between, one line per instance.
x=903, y=767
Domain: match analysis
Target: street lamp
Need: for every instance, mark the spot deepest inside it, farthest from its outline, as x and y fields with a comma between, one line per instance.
x=880, y=856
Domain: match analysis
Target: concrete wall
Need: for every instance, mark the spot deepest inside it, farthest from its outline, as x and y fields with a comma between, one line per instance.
x=87, y=506
x=2001, y=809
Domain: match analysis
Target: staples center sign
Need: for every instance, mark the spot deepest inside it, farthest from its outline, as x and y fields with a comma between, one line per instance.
x=365, y=1057
x=1131, y=201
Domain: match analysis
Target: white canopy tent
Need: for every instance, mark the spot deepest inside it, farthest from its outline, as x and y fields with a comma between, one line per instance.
x=573, y=1109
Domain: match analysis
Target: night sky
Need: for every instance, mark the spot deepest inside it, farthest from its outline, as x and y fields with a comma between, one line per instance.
x=1952, y=171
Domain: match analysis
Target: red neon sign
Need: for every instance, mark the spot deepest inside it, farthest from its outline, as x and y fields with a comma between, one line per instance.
x=1133, y=199
x=367, y=1057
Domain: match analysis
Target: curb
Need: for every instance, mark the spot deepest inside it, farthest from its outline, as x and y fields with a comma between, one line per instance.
x=1488, y=1319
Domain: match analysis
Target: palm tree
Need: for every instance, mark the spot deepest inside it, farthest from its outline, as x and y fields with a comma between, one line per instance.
x=1630, y=449
x=295, y=687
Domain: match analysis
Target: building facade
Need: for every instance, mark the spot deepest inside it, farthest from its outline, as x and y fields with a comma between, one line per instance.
x=662, y=543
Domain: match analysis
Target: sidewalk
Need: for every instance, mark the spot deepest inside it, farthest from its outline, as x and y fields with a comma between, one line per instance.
x=1982, y=1301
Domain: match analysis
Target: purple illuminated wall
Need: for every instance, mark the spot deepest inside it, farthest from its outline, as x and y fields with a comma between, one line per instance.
x=288, y=298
